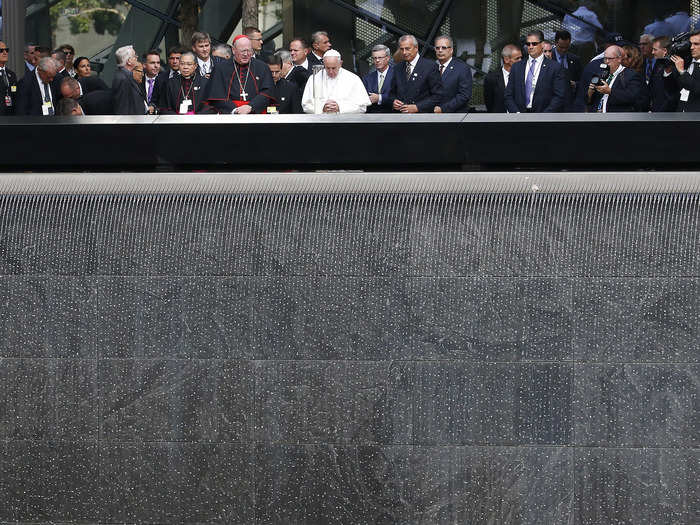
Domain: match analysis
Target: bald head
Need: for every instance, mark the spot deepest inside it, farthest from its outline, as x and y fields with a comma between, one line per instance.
x=613, y=57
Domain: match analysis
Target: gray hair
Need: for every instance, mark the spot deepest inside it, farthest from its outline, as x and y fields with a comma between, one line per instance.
x=284, y=55
x=646, y=36
x=189, y=54
x=318, y=34
x=47, y=63
x=59, y=56
x=409, y=37
x=71, y=83
x=123, y=54
x=381, y=47
x=507, y=51
x=225, y=48
x=445, y=37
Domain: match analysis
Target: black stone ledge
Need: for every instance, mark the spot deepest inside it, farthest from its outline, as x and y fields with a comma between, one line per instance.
x=363, y=142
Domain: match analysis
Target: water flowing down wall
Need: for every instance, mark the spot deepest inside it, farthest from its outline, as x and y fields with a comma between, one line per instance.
x=350, y=348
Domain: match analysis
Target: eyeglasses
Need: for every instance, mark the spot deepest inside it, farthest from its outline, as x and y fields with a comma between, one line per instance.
x=531, y=44
x=67, y=52
x=440, y=48
x=4, y=49
x=245, y=51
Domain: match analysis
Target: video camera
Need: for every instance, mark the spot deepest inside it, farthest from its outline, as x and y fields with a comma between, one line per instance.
x=599, y=78
x=680, y=46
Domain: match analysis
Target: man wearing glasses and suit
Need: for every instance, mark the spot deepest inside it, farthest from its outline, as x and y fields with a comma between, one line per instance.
x=378, y=81
x=538, y=84
x=456, y=78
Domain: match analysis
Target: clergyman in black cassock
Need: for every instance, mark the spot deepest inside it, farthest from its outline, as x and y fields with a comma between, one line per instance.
x=187, y=85
x=241, y=86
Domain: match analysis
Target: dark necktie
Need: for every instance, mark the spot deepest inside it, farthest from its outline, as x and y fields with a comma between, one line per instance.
x=442, y=68
x=47, y=97
x=3, y=77
x=409, y=70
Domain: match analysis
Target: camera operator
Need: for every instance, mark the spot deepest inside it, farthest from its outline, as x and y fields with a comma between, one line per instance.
x=620, y=90
x=663, y=84
x=689, y=79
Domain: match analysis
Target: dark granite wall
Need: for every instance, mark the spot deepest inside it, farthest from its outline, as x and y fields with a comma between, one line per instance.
x=473, y=357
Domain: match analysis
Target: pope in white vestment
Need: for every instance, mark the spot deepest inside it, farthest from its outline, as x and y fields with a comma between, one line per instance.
x=337, y=90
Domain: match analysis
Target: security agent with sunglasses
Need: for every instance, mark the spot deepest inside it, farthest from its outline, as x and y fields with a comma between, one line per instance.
x=538, y=84
x=8, y=83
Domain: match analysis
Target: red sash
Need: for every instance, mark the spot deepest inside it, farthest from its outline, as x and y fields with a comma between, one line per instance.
x=239, y=103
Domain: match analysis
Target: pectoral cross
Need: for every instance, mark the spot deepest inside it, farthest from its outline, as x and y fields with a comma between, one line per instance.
x=244, y=96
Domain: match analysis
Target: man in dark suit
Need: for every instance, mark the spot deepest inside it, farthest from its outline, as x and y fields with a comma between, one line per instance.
x=154, y=80
x=416, y=86
x=60, y=57
x=537, y=85
x=620, y=91
x=37, y=93
x=320, y=43
x=93, y=103
x=8, y=84
x=256, y=40
x=29, y=62
x=378, y=81
x=128, y=98
x=496, y=81
x=456, y=78
x=286, y=97
x=299, y=51
x=663, y=87
x=570, y=63
x=689, y=79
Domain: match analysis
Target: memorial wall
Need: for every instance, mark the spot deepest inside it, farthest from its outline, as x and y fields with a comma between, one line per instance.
x=350, y=348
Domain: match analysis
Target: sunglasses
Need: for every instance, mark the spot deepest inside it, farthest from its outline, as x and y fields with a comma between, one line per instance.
x=4, y=49
x=532, y=44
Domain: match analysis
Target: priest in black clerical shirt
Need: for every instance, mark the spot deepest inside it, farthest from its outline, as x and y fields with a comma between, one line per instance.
x=184, y=92
x=243, y=85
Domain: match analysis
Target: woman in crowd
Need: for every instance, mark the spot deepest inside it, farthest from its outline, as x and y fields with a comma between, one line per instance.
x=84, y=76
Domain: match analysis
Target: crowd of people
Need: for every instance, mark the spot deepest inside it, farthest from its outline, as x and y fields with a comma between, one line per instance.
x=309, y=77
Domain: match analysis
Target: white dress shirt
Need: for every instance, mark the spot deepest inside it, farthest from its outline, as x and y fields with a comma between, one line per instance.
x=43, y=87
x=204, y=66
x=536, y=73
x=506, y=76
x=612, y=81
